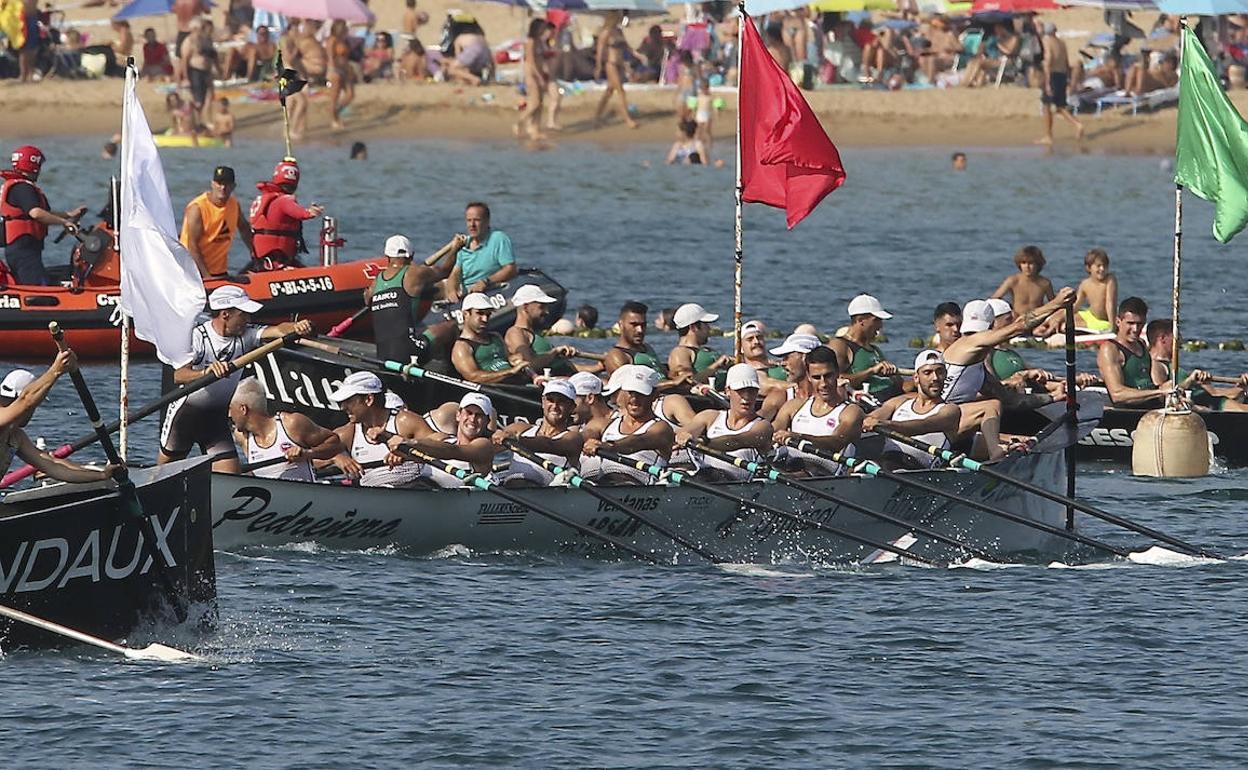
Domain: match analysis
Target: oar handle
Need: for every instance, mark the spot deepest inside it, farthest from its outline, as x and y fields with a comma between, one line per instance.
x=955, y=459
x=1223, y=380
x=590, y=356
x=341, y=327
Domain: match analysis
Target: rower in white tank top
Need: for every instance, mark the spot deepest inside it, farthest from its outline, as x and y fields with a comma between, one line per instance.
x=906, y=413
x=364, y=451
x=450, y=480
x=300, y=470
x=963, y=382
x=522, y=467
x=720, y=428
x=806, y=423
x=593, y=466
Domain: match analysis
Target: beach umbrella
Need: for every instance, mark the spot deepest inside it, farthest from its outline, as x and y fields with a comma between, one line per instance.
x=633, y=7
x=1202, y=7
x=764, y=7
x=137, y=8
x=346, y=10
x=843, y=6
x=1111, y=5
x=1012, y=6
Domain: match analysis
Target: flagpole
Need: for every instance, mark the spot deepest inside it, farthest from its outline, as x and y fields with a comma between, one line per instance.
x=1178, y=253
x=124, y=393
x=738, y=249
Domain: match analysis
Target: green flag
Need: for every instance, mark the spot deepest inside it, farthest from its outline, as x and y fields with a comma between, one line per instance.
x=1211, y=150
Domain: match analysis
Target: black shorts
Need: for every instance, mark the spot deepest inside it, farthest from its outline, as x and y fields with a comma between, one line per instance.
x=201, y=84
x=1056, y=97
x=187, y=425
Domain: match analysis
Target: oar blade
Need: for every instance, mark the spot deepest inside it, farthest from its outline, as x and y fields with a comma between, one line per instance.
x=162, y=653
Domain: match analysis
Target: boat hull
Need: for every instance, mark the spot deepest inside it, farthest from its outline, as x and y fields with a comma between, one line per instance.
x=266, y=512
x=68, y=554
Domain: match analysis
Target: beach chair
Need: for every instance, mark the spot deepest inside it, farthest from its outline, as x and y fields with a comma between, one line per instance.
x=971, y=39
x=1151, y=101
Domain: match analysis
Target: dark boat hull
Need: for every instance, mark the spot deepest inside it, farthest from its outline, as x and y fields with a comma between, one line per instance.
x=68, y=554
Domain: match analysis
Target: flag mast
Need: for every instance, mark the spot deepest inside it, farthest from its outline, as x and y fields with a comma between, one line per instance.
x=1178, y=252
x=738, y=250
x=123, y=393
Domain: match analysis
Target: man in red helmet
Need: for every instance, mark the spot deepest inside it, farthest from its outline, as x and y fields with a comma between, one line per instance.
x=26, y=217
x=276, y=220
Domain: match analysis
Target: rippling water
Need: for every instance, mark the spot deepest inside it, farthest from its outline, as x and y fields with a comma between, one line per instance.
x=382, y=660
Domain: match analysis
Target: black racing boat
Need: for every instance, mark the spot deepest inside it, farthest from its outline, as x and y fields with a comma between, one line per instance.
x=69, y=554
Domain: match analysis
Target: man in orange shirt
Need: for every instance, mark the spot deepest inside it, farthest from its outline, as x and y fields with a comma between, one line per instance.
x=209, y=224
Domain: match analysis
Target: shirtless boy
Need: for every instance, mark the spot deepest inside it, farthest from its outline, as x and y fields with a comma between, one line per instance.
x=1028, y=289
x=1099, y=290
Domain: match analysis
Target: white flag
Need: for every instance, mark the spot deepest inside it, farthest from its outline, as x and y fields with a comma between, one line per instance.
x=160, y=285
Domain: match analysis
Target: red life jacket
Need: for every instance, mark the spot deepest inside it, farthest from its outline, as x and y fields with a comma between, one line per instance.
x=274, y=234
x=17, y=222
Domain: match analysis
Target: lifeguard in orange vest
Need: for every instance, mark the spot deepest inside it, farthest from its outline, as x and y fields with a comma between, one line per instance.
x=26, y=217
x=209, y=223
x=276, y=220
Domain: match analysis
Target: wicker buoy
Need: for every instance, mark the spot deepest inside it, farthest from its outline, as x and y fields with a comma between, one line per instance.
x=1170, y=443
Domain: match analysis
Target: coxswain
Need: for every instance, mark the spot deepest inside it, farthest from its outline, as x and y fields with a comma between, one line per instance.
x=480, y=355
x=26, y=216
x=21, y=393
x=1124, y=362
x=524, y=339
x=268, y=436
x=771, y=375
x=400, y=298
x=792, y=353
x=362, y=397
x=277, y=220
x=486, y=262
x=691, y=359
x=860, y=361
x=470, y=448
x=1205, y=394
x=555, y=437
x=591, y=404
x=923, y=415
x=209, y=223
x=827, y=419
x=201, y=417
x=737, y=430
x=635, y=432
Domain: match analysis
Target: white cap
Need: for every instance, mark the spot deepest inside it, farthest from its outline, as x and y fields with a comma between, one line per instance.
x=394, y=400
x=864, y=304
x=977, y=316
x=561, y=388
x=477, y=301
x=690, y=314
x=927, y=358
x=398, y=246
x=357, y=384
x=753, y=327
x=741, y=376
x=531, y=292
x=15, y=382
x=478, y=400
x=796, y=343
x=586, y=383
x=232, y=296
x=613, y=382
x=639, y=379
x=810, y=329
x=999, y=307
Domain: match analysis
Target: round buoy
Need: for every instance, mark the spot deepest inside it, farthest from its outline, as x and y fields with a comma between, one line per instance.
x=1170, y=443
x=563, y=327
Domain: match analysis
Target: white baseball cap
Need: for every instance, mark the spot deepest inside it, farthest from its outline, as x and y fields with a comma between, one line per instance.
x=690, y=314
x=398, y=246
x=742, y=376
x=357, y=384
x=796, y=343
x=560, y=388
x=617, y=377
x=999, y=307
x=753, y=327
x=927, y=358
x=232, y=296
x=15, y=382
x=478, y=400
x=864, y=304
x=639, y=379
x=586, y=383
x=394, y=400
x=531, y=293
x=477, y=301
x=977, y=316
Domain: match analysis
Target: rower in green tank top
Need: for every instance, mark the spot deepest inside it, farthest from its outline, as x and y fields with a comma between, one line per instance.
x=481, y=356
x=1219, y=398
x=691, y=357
x=861, y=362
x=1124, y=363
x=400, y=297
x=631, y=347
x=1005, y=363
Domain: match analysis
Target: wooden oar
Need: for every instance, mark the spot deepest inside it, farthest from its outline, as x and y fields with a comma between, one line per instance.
x=150, y=652
x=128, y=494
x=582, y=483
x=150, y=408
x=961, y=461
x=1221, y=380
x=682, y=479
x=482, y=483
x=872, y=469
x=341, y=327
x=770, y=473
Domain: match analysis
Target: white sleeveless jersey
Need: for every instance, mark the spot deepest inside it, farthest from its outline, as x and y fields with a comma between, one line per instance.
x=299, y=471
x=596, y=467
x=720, y=428
x=681, y=456
x=806, y=423
x=906, y=413
x=963, y=382
x=450, y=480
x=364, y=451
x=522, y=467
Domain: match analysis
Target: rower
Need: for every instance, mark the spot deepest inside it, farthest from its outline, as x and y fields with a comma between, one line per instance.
x=209, y=223
x=827, y=419
x=284, y=434
x=1205, y=394
x=276, y=220
x=554, y=437
x=400, y=297
x=631, y=347
x=21, y=393
x=737, y=430
x=792, y=353
x=859, y=359
x=362, y=396
x=26, y=217
x=636, y=432
x=480, y=355
x=524, y=340
x=1124, y=362
x=590, y=403
x=470, y=448
x=922, y=414
x=771, y=375
x=691, y=359
x=947, y=323
x=486, y=262
x=200, y=418
x=1010, y=368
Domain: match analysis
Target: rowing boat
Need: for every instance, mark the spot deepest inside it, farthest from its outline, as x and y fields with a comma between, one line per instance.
x=67, y=554
x=270, y=512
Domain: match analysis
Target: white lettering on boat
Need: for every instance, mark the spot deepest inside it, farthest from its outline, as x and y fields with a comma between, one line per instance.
x=301, y=286
x=10, y=302
x=253, y=508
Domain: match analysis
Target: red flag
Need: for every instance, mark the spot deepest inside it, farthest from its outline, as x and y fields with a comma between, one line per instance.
x=787, y=159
